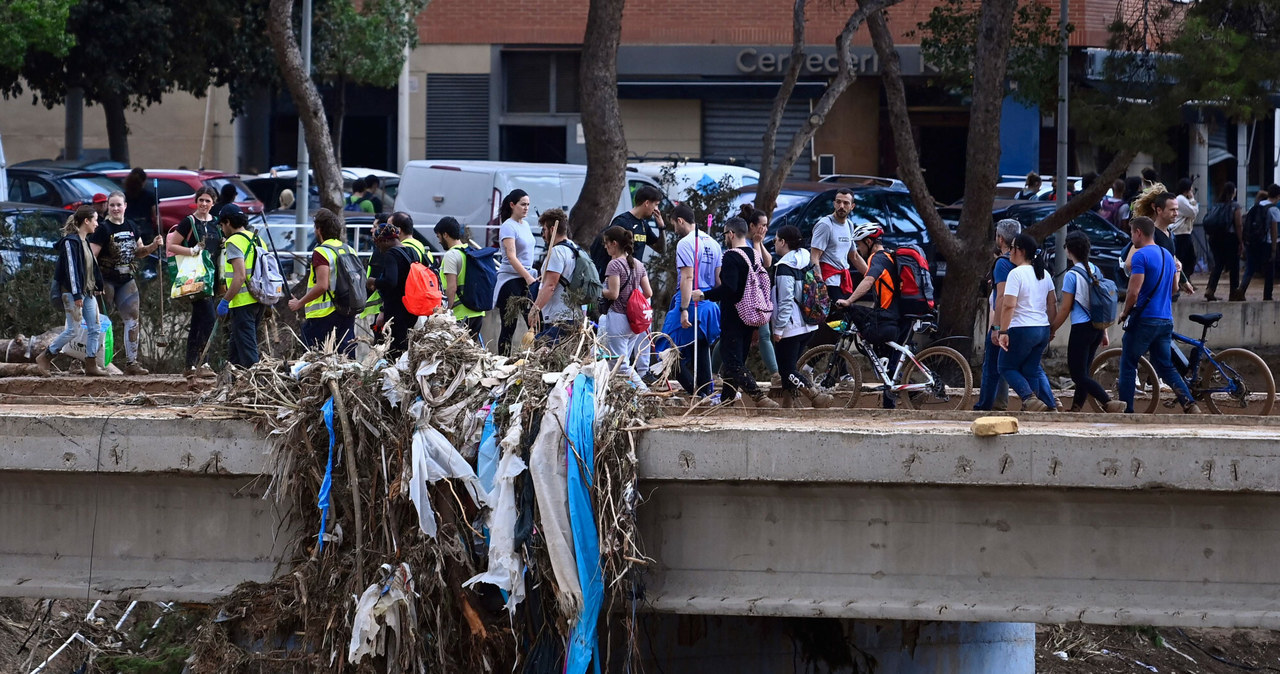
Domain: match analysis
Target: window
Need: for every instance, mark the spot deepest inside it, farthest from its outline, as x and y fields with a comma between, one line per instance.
x=903, y=212
x=1100, y=232
x=242, y=192
x=866, y=207
x=174, y=189
x=40, y=192
x=15, y=189
x=541, y=82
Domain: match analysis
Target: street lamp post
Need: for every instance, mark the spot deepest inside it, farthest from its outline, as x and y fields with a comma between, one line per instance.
x=1060, y=258
x=303, y=197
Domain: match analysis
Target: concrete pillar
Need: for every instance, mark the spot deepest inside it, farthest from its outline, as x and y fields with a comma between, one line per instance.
x=1199, y=169
x=1242, y=161
x=73, y=141
x=1019, y=138
x=948, y=647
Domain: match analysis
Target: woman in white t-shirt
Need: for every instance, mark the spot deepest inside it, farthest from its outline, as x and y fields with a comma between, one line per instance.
x=1027, y=310
x=514, y=274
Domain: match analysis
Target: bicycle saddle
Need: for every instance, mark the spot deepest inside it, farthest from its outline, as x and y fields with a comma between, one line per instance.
x=918, y=317
x=1207, y=320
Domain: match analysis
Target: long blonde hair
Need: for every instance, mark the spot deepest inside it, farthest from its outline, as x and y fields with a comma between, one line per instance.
x=1144, y=206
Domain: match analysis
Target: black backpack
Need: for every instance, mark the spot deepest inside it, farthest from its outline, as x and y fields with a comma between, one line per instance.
x=1256, y=227
x=1220, y=219
x=350, y=294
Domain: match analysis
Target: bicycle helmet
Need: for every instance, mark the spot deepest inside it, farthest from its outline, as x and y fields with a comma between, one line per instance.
x=867, y=230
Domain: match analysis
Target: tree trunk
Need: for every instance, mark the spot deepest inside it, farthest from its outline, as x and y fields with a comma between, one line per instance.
x=601, y=122
x=770, y=182
x=117, y=128
x=772, y=176
x=1084, y=200
x=339, y=116
x=302, y=89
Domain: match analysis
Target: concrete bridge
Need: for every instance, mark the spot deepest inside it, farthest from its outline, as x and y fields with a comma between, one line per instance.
x=846, y=514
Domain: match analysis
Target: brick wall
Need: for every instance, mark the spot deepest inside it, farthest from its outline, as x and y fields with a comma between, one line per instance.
x=755, y=22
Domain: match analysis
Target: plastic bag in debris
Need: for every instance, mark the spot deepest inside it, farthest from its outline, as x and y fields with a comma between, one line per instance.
x=582, y=418
x=435, y=458
x=547, y=467
x=506, y=569
x=391, y=600
x=487, y=457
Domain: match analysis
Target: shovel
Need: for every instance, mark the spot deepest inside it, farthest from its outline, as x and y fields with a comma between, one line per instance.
x=162, y=338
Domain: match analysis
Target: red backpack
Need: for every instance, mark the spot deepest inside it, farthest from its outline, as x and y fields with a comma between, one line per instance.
x=421, y=289
x=915, y=282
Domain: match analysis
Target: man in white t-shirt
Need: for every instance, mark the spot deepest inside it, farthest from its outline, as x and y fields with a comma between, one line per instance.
x=831, y=245
x=562, y=256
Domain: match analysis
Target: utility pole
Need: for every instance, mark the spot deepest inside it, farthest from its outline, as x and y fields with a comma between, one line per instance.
x=303, y=197
x=1060, y=257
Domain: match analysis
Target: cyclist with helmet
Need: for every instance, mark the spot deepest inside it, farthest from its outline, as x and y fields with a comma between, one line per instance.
x=877, y=320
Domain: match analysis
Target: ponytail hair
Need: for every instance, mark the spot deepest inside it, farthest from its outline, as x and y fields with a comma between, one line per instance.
x=1031, y=251
x=508, y=204
x=625, y=241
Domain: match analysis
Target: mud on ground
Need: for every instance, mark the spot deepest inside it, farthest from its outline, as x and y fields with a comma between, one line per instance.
x=1098, y=649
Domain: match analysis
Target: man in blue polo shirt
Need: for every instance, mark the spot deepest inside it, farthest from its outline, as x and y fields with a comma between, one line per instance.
x=1148, y=308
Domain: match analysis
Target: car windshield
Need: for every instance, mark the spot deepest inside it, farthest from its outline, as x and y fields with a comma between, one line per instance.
x=87, y=186
x=1099, y=231
x=242, y=191
x=903, y=212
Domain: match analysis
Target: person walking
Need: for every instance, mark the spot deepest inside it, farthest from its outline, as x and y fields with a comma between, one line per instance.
x=1027, y=311
x=788, y=330
x=1085, y=338
x=1148, y=317
x=757, y=227
x=453, y=272
x=831, y=247
x=1031, y=189
x=1224, y=225
x=322, y=318
x=79, y=281
x=623, y=276
x=552, y=317
x=514, y=278
x=198, y=231
x=1260, y=242
x=735, y=335
x=994, y=390
x=239, y=253
x=1183, y=227
x=698, y=263
x=645, y=202
x=393, y=276
x=359, y=201
x=117, y=246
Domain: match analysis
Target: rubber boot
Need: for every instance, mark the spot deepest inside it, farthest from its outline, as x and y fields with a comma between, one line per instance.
x=44, y=363
x=817, y=398
x=1115, y=407
x=91, y=368
x=763, y=401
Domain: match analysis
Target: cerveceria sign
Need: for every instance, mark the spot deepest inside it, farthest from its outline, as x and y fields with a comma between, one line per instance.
x=751, y=60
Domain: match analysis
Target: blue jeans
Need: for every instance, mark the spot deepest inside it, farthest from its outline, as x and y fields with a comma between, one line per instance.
x=1151, y=338
x=1020, y=365
x=315, y=331
x=242, y=344
x=93, y=325
x=994, y=389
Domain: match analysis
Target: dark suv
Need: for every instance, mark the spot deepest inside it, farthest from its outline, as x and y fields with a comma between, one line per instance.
x=56, y=186
x=803, y=203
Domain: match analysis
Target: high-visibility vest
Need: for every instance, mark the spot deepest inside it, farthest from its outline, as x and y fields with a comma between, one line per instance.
x=322, y=305
x=242, y=241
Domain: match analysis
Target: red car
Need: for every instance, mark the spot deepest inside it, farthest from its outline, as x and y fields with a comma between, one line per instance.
x=177, y=191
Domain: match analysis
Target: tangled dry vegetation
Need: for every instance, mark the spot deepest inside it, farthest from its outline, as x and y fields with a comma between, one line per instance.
x=410, y=521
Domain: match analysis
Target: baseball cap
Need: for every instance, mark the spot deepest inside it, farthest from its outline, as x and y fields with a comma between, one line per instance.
x=229, y=210
x=99, y=198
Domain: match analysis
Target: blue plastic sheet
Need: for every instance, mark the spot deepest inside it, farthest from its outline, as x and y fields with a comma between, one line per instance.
x=488, y=455
x=322, y=501
x=708, y=323
x=586, y=543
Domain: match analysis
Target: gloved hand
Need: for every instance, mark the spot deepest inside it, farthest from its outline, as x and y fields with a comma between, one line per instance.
x=195, y=250
x=224, y=308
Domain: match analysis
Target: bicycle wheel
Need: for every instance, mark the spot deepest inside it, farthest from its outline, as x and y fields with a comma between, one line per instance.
x=952, y=380
x=837, y=371
x=1106, y=370
x=1255, y=387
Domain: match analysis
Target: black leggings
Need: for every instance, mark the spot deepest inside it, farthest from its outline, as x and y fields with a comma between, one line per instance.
x=1081, y=348
x=200, y=331
x=735, y=341
x=788, y=351
x=515, y=287
x=1226, y=255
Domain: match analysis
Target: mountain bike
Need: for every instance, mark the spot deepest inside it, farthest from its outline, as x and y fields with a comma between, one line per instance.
x=936, y=378
x=1232, y=381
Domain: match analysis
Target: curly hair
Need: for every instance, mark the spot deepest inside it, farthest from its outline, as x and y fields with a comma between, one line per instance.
x=1145, y=205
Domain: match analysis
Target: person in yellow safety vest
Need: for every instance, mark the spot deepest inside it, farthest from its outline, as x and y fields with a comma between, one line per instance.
x=453, y=272
x=240, y=248
x=404, y=222
x=373, y=306
x=322, y=319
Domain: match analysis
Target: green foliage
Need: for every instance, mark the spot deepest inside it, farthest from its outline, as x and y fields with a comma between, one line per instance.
x=24, y=276
x=949, y=37
x=39, y=25
x=364, y=45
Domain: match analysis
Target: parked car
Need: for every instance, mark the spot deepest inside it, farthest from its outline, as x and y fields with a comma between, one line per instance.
x=693, y=175
x=802, y=204
x=268, y=186
x=472, y=192
x=56, y=186
x=856, y=179
x=28, y=232
x=1105, y=239
x=77, y=164
x=177, y=191
x=1010, y=185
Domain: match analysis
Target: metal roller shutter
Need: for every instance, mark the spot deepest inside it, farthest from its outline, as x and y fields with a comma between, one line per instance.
x=734, y=129
x=457, y=116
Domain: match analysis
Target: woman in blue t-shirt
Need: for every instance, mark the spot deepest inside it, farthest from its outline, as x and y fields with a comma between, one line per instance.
x=1085, y=339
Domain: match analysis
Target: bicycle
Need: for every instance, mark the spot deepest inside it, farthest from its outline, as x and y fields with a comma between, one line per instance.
x=1234, y=381
x=936, y=378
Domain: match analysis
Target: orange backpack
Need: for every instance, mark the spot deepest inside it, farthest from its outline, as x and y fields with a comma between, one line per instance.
x=422, y=289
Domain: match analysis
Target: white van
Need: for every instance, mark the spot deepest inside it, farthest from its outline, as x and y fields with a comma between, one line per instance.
x=4, y=175
x=472, y=192
x=694, y=175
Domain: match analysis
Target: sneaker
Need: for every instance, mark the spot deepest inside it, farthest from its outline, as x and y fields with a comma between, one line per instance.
x=764, y=402
x=649, y=378
x=134, y=369
x=44, y=363
x=775, y=381
x=1116, y=407
x=1034, y=405
x=1191, y=408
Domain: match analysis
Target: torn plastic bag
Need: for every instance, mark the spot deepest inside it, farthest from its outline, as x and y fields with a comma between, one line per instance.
x=435, y=458
x=547, y=467
x=391, y=600
x=487, y=456
x=506, y=568
x=583, y=642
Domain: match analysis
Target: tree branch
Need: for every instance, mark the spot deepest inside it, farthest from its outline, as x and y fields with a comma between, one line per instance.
x=769, y=151
x=1085, y=200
